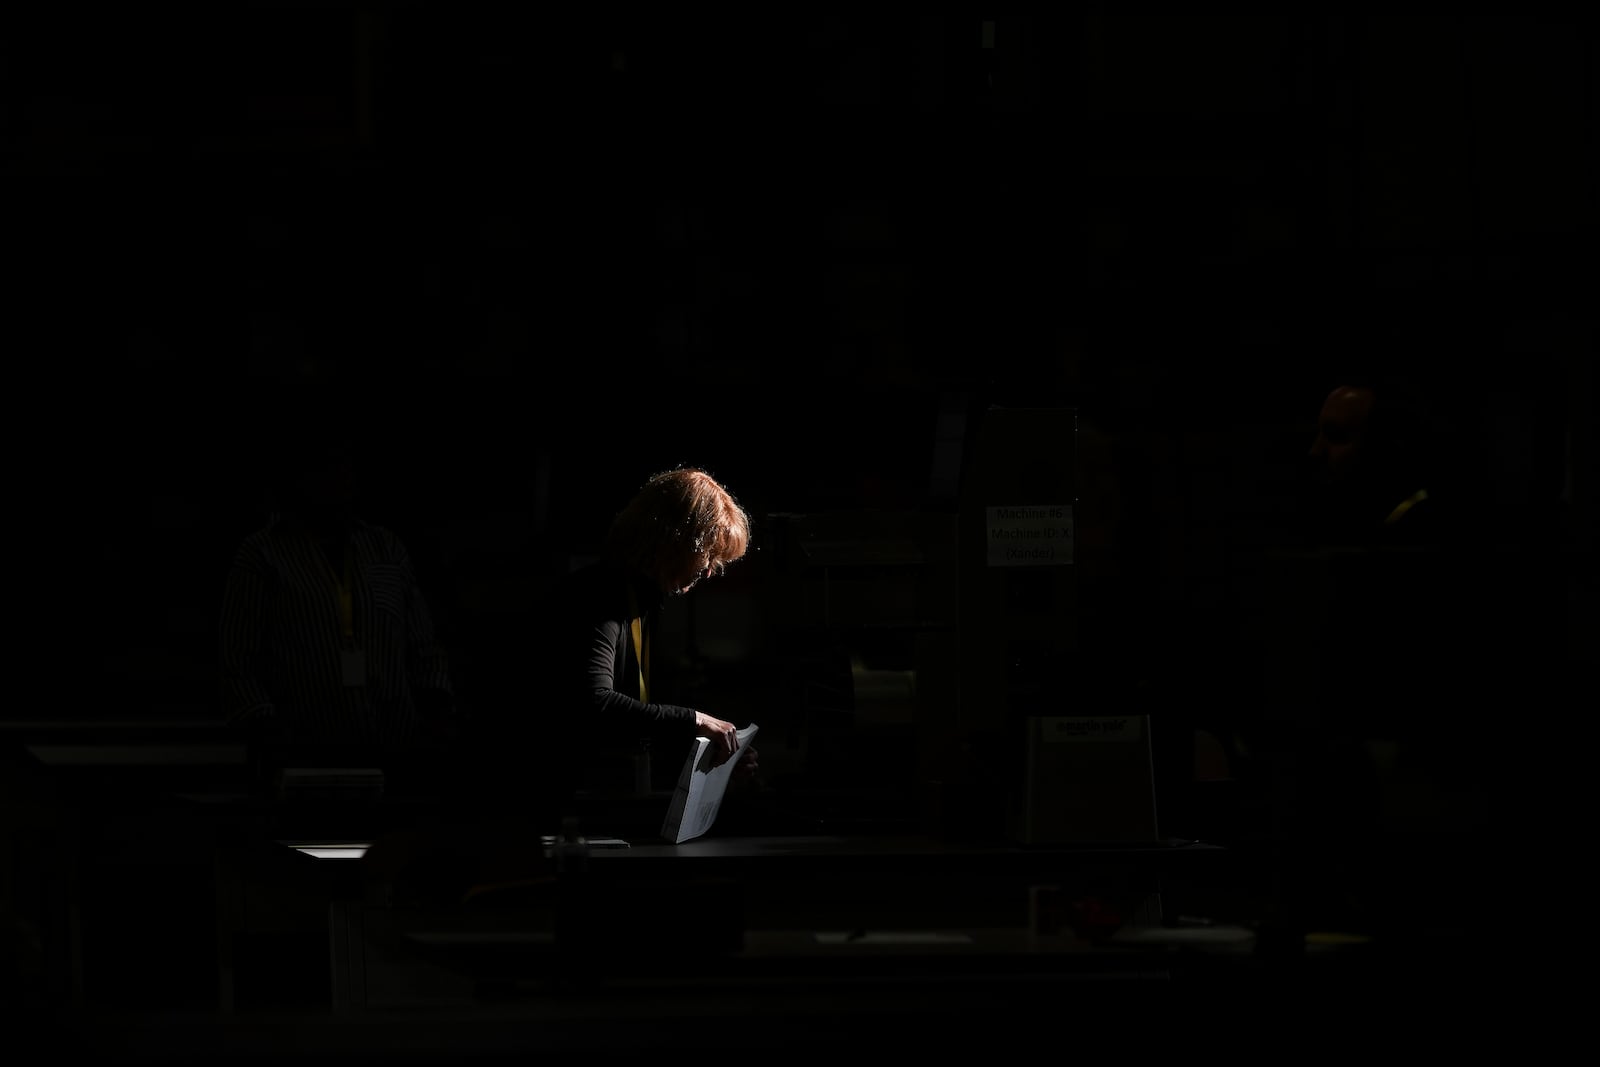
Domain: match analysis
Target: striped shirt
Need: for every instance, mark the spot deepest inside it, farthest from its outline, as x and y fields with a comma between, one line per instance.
x=284, y=650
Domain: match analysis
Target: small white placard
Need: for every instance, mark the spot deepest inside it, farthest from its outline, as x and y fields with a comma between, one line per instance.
x=1060, y=729
x=1035, y=536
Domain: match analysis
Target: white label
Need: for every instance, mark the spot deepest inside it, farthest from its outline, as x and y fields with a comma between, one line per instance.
x=1030, y=536
x=1064, y=729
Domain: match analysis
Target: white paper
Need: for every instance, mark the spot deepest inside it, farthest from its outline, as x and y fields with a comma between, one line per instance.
x=698, y=794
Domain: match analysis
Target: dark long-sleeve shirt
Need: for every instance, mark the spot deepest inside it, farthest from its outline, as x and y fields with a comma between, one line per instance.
x=576, y=706
x=595, y=660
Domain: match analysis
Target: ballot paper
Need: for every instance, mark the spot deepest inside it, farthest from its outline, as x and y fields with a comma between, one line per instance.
x=698, y=795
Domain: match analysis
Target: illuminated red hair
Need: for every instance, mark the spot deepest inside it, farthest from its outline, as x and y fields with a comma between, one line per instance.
x=679, y=515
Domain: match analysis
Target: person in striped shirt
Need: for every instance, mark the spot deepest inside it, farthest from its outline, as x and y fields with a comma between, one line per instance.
x=327, y=645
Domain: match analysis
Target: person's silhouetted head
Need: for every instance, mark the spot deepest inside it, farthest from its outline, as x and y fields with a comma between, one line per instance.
x=1368, y=455
x=312, y=462
x=319, y=486
x=1339, y=451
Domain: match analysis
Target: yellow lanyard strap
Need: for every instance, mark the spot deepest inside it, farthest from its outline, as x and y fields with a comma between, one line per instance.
x=1405, y=506
x=343, y=584
x=641, y=647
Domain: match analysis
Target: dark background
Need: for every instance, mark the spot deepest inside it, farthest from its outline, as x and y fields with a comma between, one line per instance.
x=530, y=254
x=551, y=252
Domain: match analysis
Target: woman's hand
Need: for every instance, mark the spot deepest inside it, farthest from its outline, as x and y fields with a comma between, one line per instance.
x=723, y=734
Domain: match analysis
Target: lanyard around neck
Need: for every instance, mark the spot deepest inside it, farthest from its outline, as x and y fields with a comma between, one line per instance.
x=343, y=582
x=1405, y=506
x=641, y=646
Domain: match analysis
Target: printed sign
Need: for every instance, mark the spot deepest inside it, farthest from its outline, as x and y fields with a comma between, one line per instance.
x=1059, y=729
x=1030, y=536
